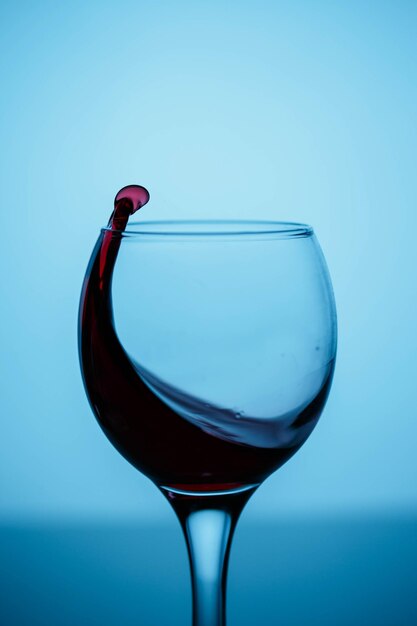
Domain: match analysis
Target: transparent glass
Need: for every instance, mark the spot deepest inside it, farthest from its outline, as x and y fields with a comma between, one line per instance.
x=207, y=357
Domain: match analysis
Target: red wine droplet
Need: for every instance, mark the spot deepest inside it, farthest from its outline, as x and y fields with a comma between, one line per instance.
x=127, y=201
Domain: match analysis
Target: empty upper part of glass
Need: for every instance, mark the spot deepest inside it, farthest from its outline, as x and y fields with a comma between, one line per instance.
x=236, y=330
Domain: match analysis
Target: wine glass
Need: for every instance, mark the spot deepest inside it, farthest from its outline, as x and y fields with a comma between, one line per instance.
x=207, y=350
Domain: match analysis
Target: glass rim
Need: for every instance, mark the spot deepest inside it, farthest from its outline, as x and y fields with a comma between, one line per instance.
x=213, y=229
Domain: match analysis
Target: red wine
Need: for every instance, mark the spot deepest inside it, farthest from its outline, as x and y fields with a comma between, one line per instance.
x=184, y=454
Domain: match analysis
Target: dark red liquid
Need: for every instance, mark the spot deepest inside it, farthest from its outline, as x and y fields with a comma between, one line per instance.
x=169, y=449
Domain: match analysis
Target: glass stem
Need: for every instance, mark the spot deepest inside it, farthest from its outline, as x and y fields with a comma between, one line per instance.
x=208, y=522
x=208, y=535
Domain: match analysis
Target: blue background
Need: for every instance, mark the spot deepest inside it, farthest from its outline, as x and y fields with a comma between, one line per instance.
x=284, y=110
x=276, y=110
x=280, y=110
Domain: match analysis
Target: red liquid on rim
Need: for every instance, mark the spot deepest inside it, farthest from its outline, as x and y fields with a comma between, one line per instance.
x=166, y=447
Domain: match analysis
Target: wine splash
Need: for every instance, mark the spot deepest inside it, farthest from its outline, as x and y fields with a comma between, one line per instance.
x=127, y=201
x=173, y=438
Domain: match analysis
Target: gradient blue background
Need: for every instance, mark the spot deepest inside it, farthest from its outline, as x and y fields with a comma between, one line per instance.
x=280, y=110
x=275, y=110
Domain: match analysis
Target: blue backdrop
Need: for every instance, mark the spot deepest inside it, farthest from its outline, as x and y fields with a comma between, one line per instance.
x=278, y=110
